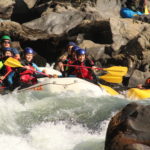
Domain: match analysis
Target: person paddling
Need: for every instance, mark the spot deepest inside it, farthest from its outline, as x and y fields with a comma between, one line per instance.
x=83, y=61
x=27, y=76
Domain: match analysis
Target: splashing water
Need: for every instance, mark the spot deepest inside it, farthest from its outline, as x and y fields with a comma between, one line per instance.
x=34, y=120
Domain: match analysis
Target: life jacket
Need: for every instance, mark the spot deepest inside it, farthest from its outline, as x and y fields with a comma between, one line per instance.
x=27, y=76
x=69, y=61
x=82, y=72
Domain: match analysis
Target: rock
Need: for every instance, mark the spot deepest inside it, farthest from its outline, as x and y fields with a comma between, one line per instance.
x=129, y=129
x=6, y=8
x=56, y=23
x=26, y=10
x=138, y=77
x=124, y=30
x=30, y=3
x=18, y=31
x=95, y=51
x=109, y=9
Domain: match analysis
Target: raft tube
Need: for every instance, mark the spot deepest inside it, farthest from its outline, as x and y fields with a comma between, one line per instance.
x=138, y=94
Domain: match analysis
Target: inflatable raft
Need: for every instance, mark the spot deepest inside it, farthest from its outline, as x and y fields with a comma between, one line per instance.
x=72, y=85
x=138, y=94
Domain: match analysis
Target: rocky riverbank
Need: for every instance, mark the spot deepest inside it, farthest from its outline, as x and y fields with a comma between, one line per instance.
x=48, y=25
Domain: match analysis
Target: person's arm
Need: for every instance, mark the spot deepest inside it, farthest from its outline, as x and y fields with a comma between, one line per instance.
x=36, y=67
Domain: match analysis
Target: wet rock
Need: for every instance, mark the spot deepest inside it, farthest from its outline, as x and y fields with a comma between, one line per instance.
x=129, y=129
x=6, y=9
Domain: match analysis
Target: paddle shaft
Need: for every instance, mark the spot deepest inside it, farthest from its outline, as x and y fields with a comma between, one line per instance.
x=91, y=68
x=82, y=66
x=5, y=76
x=38, y=72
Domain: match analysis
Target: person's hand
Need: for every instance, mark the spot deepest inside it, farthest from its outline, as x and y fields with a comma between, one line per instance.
x=27, y=67
x=61, y=66
x=44, y=71
x=93, y=67
x=17, y=56
x=140, y=86
x=1, y=77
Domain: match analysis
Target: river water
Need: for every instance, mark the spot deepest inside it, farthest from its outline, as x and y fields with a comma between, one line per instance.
x=45, y=121
x=41, y=120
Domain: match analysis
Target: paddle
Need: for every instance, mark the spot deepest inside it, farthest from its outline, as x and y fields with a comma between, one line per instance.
x=145, y=8
x=109, y=90
x=112, y=79
x=12, y=62
x=1, y=80
x=115, y=73
x=114, y=70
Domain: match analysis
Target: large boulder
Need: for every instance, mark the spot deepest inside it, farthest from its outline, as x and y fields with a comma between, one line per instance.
x=6, y=8
x=129, y=129
x=59, y=20
x=56, y=23
x=124, y=30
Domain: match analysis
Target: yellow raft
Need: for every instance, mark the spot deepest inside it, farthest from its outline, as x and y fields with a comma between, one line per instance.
x=138, y=94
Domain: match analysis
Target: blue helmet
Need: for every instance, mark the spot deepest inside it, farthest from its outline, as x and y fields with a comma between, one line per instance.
x=75, y=48
x=71, y=44
x=28, y=50
x=7, y=49
x=81, y=52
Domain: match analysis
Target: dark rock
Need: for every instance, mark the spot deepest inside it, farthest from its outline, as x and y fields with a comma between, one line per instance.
x=25, y=11
x=129, y=129
x=6, y=9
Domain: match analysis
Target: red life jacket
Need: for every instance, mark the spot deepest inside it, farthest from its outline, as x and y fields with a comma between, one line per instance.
x=82, y=72
x=27, y=76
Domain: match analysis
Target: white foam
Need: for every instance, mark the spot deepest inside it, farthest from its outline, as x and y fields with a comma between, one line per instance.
x=51, y=136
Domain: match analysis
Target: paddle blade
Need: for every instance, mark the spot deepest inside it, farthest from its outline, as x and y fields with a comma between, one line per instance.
x=117, y=70
x=12, y=62
x=111, y=79
x=109, y=90
x=146, y=10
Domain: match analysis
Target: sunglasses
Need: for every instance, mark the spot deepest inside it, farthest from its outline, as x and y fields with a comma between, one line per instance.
x=7, y=42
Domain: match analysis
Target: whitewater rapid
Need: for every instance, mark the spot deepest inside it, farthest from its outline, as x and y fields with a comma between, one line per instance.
x=34, y=120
